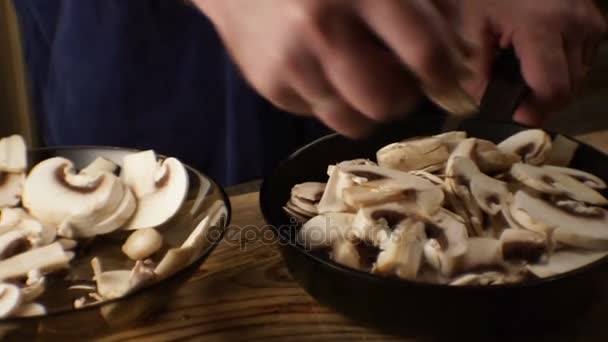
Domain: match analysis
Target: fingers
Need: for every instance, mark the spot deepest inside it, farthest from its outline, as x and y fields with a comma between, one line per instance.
x=309, y=80
x=369, y=78
x=545, y=68
x=416, y=31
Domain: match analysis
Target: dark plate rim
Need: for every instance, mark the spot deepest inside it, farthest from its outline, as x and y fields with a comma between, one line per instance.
x=266, y=212
x=195, y=264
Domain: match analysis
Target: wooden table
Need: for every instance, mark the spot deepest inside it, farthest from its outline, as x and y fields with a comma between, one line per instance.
x=244, y=293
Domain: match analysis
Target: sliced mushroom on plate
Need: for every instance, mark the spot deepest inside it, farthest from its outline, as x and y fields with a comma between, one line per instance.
x=447, y=242
x=116, y=284
x=489, y=278
x=585, y=227
x=304, y=200
x=48, y=258
x=10, y=299
x=332, y=201
x=80, y=205
x=13, y=163
x=483, y=253
x=412, y=191
x=487, y=156
x=376, y=224
x=524, y=245
x=473, y=193
x=159, y=187
x=531, y=145
x=451, y=139
x=554, y=182
x=402, y=254
x=507, y=213
x=192, y=248
x=17, y=220
x=586, y=178
x=565, y=261
x=492, y=160
x=428, y=154
x=345, y=252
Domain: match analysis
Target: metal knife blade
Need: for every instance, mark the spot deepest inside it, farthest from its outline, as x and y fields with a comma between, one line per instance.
x=503, y=95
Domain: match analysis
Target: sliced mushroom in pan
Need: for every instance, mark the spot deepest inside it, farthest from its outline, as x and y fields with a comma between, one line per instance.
x=508, y=212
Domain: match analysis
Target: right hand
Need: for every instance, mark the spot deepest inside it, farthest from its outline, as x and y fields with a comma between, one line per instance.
x=351, y=63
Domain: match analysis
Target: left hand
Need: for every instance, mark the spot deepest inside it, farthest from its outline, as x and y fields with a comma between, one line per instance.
x=555, y=40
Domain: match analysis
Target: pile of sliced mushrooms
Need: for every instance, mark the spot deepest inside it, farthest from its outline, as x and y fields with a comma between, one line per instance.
x=456, y=210
x=48, y=213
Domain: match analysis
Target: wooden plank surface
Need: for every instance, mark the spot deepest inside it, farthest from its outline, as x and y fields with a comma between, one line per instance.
x=244, y=293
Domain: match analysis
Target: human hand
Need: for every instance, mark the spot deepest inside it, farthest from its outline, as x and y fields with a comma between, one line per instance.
x=555, y=40
x=351, y=63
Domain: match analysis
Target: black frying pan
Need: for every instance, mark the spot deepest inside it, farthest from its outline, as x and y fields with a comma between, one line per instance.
x=410, y=308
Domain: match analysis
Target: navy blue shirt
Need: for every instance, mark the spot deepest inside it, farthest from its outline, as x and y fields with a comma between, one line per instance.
x=151, y=74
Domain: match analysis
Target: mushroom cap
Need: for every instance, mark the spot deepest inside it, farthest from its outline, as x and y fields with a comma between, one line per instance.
x=10, y=299
x=13, y=154
x=554, y=182
x=578, y=230
x=326, y=229
x=428, y=154
x=160, y=188
x=402, y=253
x=57, y=196
x=142, y=243
x=532, y=145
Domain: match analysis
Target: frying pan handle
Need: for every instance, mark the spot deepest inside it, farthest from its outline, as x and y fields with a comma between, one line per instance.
x=506, y=89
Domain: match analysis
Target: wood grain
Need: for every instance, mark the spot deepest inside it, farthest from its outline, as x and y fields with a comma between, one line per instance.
x=244, y=293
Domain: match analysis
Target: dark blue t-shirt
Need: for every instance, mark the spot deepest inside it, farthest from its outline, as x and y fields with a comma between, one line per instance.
x=151, y=74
